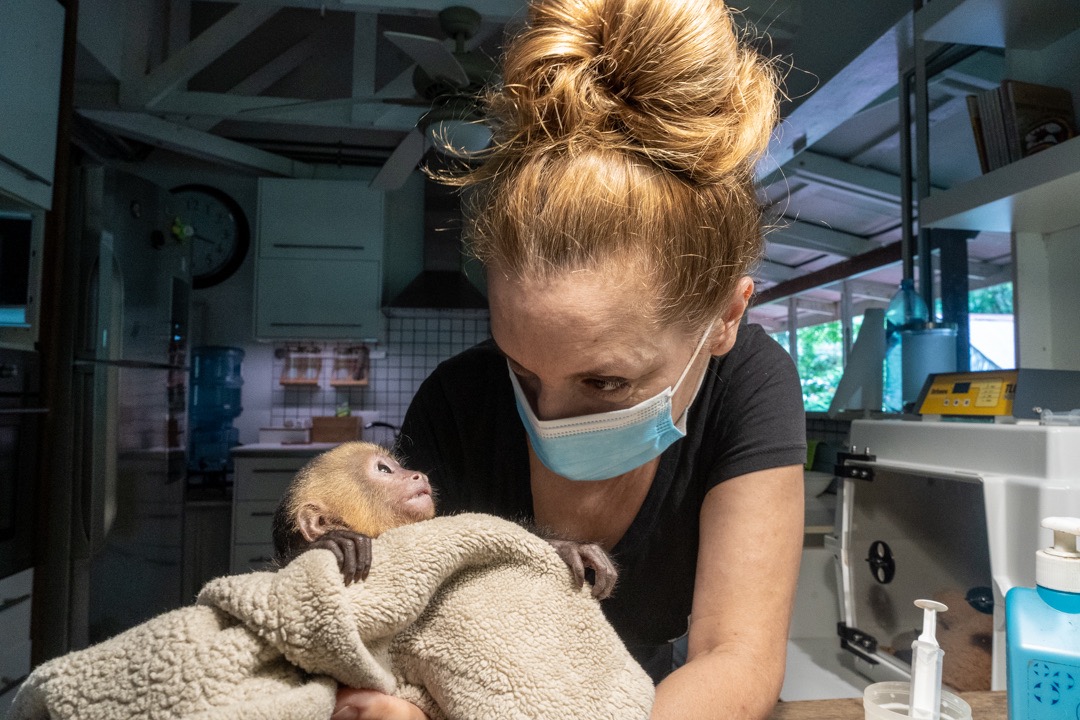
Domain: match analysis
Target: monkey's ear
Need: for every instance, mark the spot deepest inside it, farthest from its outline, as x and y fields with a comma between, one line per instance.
x=312, y=521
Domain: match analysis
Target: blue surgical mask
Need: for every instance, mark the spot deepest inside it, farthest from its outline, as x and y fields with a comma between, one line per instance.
x=604, y=445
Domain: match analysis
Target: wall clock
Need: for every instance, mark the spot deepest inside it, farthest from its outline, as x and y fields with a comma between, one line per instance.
x=219, y=233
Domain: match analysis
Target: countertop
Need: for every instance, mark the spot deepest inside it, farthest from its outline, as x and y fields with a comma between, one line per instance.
x=281, y=449
x=984, y=706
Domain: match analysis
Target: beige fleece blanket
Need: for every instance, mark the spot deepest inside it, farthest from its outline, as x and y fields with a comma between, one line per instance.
x=467, y=616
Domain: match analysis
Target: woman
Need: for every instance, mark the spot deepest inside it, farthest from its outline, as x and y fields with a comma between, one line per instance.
x=621, y=400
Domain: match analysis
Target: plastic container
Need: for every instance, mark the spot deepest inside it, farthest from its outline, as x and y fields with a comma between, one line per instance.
x=924, y=351
x=1042, y=632
x=890, y=700
x=907, y=311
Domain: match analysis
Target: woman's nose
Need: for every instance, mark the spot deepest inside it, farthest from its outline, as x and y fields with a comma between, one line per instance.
x=551, y=405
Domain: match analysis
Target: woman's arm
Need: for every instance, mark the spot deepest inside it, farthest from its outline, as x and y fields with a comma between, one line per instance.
x=748, y=565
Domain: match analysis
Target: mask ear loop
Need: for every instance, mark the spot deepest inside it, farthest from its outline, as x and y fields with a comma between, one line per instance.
x=681, y=421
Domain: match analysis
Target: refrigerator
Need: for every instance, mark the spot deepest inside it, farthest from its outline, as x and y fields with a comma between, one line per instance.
x=129, y=389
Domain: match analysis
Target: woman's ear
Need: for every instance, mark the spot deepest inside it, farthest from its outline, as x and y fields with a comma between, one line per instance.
x=727, y=325
x=312, y=521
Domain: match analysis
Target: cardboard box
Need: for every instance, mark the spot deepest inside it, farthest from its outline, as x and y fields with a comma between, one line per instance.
x=335, y=429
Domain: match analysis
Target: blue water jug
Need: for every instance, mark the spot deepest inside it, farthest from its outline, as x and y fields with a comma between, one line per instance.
x=907, y=311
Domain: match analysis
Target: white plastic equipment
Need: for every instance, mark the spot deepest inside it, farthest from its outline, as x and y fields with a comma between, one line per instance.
x=950, y=502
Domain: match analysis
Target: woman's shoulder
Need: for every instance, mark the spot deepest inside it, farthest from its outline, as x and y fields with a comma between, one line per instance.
x=756, y=354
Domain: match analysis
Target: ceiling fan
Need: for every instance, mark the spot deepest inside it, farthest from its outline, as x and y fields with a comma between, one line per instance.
x=447, y=84
x=452, y=81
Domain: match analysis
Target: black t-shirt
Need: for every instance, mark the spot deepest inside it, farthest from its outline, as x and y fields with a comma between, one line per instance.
x=463, y=430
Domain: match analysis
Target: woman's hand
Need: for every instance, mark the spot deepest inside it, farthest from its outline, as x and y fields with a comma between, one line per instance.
x=354, y=704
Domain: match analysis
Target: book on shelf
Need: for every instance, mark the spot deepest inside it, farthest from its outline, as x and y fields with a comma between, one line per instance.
x=1017, y=119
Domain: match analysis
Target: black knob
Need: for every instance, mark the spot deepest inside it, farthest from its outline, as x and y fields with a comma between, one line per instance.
x=881, y=562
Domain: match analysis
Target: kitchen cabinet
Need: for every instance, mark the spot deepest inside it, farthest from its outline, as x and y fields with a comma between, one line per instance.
x=319, y=260
x=15, y=601
x=1033, y=199
x=262, y=472
x=31, y=49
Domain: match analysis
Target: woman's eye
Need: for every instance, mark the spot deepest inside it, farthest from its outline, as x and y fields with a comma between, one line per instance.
x=383, y=468
x=607, y=384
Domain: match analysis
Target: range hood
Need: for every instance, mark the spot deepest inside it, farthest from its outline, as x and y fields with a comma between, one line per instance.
x=442, y=284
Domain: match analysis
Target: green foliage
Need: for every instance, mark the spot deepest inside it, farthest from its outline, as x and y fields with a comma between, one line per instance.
x=820, y=360
x=994, y=299
x=820, y=363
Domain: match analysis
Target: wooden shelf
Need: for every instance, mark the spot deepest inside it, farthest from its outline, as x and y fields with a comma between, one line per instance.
x=1018, y=24
x=1039, y=193
x=300, y=383
x=348, y=383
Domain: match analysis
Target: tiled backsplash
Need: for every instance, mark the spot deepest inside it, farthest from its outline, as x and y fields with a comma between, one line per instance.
x=417, y=341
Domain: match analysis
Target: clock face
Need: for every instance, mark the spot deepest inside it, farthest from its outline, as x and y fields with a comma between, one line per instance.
x=217, y=229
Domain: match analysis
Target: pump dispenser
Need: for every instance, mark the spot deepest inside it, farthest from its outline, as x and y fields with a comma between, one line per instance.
x=1042, y=632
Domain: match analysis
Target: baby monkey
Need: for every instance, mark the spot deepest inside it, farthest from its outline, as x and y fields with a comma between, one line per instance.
x=344, y=497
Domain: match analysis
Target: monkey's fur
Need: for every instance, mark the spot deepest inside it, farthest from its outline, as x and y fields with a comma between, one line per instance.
x=344, y=497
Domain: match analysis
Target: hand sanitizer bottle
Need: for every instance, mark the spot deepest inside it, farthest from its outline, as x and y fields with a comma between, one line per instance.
x=1042, y=632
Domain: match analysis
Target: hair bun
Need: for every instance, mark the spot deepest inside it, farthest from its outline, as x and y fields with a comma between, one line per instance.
x=667, y=79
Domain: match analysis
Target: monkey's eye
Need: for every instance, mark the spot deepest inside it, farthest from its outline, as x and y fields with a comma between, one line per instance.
x=383, y=467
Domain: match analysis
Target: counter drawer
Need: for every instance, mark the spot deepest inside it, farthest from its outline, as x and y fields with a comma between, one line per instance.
x=253, y=521
x=247, y=557
x=265, y=478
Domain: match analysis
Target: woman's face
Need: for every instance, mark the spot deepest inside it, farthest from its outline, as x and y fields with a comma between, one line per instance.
x=581, y=343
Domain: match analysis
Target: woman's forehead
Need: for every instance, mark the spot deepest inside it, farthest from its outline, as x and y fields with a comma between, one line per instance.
x=576, y=319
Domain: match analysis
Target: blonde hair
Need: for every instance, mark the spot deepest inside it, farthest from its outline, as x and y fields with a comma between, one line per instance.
x=626, y=132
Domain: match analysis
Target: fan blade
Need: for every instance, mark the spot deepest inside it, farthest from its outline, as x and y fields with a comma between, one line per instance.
x=400, y=116
x=430, y=54
x=336, y=102
x=397, y=168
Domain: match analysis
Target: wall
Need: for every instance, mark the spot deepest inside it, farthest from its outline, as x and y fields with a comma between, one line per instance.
x=417, y=340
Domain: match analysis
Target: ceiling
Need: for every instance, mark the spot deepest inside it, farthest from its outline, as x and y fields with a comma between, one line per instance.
x=275, y=86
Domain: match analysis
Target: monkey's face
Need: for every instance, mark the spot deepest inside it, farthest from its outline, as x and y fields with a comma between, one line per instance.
x=407, y=492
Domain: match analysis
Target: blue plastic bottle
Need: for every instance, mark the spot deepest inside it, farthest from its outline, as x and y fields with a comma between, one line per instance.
x=1042, y=632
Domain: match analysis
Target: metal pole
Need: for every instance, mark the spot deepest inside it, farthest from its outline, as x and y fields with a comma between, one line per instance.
x=845, y=321
x=907, y=210
x=793, y=328
x=922, y=168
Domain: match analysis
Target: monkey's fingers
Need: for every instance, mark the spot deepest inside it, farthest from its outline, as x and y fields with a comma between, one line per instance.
x=604, y=570
x=349, y=553
x=569, y=552
x=363, y=561
x=329, y=544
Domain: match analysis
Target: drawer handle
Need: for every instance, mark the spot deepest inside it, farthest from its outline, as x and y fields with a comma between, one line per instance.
x=304, y=246
x=7, y=684
x=263, y=513
x=8, y=603
x=312, y=324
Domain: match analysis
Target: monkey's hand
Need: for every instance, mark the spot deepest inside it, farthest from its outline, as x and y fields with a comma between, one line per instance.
x=580, y=557
x=352, y=550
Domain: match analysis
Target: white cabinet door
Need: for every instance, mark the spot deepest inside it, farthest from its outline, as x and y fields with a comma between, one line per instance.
x=317, y=298
x=330, y=219
x=31, y=48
